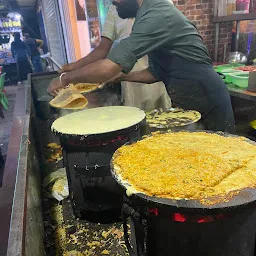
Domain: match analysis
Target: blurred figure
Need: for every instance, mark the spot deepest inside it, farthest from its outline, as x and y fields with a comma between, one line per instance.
x=21, y=54
x=34, y=46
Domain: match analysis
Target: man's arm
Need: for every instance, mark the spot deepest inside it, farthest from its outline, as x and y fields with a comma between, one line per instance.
x=28, y=49
x=12, y=50
x=40, y=42
x=142, y=76
x=108, y=37
x=97, y=54
x=100, y=71
x=97, y=72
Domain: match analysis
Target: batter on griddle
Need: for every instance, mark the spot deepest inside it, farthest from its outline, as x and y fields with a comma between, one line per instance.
x=98, y=120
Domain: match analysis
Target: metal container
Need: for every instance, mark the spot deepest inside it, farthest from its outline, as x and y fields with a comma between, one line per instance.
x=177, y=125
x=237, y=57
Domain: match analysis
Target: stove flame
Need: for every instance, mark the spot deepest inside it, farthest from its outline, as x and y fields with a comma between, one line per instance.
x=154, y=211
x=96, y=143
x=178, y=217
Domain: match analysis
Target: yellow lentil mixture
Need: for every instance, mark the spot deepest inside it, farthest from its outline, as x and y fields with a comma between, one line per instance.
x=187, y=165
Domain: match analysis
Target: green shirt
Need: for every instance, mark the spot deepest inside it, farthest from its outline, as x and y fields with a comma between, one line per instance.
x=160, y=28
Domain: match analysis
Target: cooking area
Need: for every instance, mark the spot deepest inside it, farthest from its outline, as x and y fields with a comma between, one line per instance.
x=143, y=147
x=102, y=215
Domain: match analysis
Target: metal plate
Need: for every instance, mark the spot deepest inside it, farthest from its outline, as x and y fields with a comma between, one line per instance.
x=243, y=198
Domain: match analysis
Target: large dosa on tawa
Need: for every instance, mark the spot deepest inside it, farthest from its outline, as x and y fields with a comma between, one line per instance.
x=187, y=165
x=98, y=120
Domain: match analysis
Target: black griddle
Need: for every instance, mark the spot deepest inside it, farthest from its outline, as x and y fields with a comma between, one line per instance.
x=94, y=193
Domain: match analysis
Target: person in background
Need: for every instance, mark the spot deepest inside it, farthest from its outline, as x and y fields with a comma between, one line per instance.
x=34, y=46
x=21, y=54
x=143, y=96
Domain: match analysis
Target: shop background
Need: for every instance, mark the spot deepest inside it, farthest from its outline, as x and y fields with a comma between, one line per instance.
x=103, y=6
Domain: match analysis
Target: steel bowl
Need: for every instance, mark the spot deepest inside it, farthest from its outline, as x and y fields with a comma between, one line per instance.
x=237, y=57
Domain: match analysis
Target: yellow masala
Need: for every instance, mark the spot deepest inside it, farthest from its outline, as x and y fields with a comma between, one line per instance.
x=187, y=165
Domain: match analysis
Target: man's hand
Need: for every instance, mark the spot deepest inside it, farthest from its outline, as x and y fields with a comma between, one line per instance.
x=54, y=87
x=120, y=77
x=66, y=68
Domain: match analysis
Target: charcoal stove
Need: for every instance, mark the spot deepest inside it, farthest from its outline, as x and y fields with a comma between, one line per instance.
x=166, y=227
x=161, y=230
x=94, y=193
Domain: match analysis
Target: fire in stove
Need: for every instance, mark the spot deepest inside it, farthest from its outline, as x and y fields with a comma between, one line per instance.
x=160, y=230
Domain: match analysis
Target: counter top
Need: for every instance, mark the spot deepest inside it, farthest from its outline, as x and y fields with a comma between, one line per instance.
x=241, y=93
x=15, y=169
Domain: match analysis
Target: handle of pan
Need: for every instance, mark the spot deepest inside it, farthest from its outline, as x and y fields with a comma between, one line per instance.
x=221, y=75
x=102, y=85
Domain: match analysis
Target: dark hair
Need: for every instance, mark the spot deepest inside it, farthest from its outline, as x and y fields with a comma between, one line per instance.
x=27, y=35
x=16, y=36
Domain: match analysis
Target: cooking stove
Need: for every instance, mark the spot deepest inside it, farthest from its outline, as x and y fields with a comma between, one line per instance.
x=163, y=231
x=220, y=226
x=94, y=193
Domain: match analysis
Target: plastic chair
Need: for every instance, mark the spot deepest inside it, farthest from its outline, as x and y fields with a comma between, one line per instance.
x=3, y=99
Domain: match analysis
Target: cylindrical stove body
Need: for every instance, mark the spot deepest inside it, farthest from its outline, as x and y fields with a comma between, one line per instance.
x=154, y=233
x=95, y=194
x=224, y=225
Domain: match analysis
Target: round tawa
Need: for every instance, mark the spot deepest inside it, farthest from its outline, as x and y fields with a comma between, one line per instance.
x=170, y=118
x=239, y=199
x=98, y=120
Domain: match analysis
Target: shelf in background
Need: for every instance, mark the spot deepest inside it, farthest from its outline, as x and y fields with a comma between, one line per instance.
x=234, y=17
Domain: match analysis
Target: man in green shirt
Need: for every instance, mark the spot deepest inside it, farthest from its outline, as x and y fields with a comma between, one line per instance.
x=177, y=56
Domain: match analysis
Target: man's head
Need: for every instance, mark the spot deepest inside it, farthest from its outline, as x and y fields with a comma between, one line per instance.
x=126, y=8
x=26, y=36
x=16, y=36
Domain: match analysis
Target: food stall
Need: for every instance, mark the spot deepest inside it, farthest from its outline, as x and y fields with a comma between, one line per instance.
x=8, y=26
x=53, y=200
x=240, y=17
x=45, y=220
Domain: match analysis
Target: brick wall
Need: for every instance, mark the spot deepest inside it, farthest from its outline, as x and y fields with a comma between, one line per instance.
x=201, y=12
